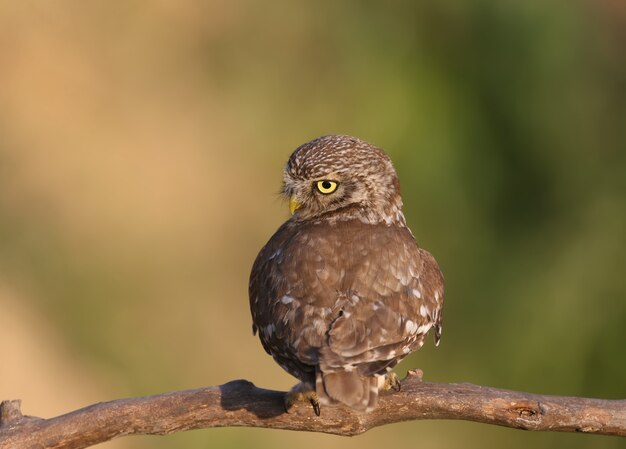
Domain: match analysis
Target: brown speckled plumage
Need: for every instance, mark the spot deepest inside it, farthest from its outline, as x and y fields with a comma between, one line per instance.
x=341, y=292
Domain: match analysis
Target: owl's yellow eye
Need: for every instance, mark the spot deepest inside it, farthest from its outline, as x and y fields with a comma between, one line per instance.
x=326, y=186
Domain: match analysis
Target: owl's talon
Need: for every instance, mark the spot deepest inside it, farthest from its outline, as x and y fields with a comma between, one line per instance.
x=302, y=392
x=391, y=382
x=316, y=405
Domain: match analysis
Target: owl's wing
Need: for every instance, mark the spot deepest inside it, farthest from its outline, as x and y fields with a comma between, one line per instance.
x=395, y=297
x=293, y=287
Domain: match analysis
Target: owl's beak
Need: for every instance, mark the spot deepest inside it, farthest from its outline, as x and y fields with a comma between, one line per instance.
x=294, y=205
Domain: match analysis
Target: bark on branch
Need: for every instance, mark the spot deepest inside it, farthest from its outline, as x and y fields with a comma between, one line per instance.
x=240, y=403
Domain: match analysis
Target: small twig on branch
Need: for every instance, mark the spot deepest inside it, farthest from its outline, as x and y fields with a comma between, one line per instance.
x=240, y=403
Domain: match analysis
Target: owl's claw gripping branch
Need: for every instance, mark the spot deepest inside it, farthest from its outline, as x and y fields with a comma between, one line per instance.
x=316, y=405
x=391, y=382
x=302, y=392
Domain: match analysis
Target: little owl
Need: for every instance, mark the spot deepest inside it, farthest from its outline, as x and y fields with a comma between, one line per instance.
x=341, y=293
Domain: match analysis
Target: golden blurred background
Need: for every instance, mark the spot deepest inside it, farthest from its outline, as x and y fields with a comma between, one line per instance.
x=141, y=149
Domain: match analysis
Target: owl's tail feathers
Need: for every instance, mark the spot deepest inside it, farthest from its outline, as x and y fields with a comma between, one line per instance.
x=348, y=387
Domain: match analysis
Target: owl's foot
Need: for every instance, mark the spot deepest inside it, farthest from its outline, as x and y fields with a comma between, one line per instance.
x=391, y=381
x=303, y=392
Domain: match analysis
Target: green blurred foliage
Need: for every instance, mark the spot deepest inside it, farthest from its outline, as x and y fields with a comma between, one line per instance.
x=138, y=184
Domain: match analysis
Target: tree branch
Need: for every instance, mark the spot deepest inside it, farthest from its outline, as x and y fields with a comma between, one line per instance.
x=240, y=403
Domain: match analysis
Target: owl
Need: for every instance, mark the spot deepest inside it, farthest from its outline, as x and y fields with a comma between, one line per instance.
x=341, y=292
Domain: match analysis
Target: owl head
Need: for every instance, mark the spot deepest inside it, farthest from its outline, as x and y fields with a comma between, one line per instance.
x=341, y=178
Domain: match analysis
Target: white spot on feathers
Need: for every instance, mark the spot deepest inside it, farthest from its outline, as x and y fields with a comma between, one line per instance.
x=410, y=327
x=277, y=253
x=320, y=326
x=269, y=330
x=424, y=328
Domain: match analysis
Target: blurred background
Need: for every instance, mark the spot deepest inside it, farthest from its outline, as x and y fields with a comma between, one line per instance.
x=141, y=150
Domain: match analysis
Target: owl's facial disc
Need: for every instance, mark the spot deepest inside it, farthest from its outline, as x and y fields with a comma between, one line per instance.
x=342, y=178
